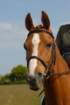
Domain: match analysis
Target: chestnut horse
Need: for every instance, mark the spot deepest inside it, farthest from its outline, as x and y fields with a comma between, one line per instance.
x=44, y=59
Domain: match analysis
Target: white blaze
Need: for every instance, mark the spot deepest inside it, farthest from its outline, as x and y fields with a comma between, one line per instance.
x=33, y=62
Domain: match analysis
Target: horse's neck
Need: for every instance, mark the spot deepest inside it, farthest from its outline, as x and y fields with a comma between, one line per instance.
x=57, y=89
x=60, y=64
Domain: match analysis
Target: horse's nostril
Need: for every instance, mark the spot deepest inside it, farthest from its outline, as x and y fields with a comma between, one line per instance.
x=40, y=74
x=31, y=78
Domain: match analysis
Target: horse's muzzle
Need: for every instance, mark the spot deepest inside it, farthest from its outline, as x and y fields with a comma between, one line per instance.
x=32, y=83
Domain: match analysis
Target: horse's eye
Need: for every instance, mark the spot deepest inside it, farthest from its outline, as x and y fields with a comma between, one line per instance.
x=48, y=45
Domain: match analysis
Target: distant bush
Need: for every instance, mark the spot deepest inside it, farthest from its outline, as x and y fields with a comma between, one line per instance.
x=5, y=80
x=17, y=76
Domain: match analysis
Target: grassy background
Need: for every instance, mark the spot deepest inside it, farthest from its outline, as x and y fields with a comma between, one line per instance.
x=18, y=95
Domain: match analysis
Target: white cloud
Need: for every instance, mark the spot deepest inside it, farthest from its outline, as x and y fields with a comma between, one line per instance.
x=11, y=35
x=5, y=26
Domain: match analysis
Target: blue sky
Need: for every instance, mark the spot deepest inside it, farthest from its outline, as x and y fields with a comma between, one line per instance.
x=12, y=26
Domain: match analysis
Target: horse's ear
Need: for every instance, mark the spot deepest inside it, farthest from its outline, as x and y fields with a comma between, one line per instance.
x=28, y=22
x=45, y=20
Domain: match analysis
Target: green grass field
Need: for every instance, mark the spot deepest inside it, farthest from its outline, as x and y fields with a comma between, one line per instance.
x=18, y=95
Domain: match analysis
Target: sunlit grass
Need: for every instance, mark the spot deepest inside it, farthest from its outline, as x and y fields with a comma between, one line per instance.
x=18, y=95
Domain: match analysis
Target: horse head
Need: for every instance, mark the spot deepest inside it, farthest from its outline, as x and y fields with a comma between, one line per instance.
x=40, y=47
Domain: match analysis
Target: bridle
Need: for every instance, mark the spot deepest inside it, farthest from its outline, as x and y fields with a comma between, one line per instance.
x=48, y=72
x=52, y=61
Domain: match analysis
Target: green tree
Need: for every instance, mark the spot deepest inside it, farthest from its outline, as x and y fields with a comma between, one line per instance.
x=18, y=73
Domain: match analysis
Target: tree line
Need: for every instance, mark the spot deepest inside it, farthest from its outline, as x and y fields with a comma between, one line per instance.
x=16, y=76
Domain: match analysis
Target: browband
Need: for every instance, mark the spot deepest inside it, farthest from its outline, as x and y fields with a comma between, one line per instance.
x=40, y=30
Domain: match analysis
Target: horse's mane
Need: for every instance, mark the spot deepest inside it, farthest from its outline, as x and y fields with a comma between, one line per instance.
x=40, y=28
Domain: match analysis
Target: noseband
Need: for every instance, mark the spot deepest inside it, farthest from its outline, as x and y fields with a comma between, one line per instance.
x=48, y=72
